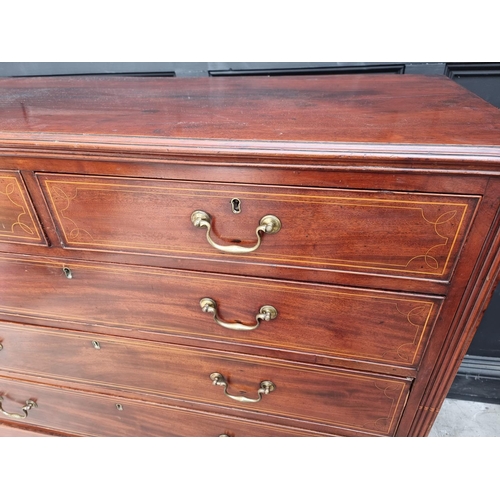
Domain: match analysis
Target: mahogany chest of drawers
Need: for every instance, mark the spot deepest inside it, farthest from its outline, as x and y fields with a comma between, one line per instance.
x=288, y=256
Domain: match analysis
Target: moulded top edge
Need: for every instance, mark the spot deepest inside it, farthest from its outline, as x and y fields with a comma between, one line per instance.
x=167, y=146
x=365, y=109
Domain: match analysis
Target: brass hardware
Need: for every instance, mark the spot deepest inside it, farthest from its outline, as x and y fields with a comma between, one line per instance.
x=266, y=386
x=266, y=313
x=67, y=272
x=236, y=206
x=25, y=409
x=269, y=224
x=119, y=407
x=96, y=344
x=1, y=347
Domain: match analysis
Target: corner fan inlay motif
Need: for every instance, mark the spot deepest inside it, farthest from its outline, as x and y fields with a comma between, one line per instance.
x=429, y=260
x=15, y=219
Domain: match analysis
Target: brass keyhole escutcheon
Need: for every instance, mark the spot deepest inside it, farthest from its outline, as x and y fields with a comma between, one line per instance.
x=236, y=205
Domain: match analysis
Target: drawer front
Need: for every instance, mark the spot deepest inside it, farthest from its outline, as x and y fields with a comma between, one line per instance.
x=383, y=327
x=14, y=430
x=18, y=222
x=89, y=414
x=370, y=403
x=372, y=232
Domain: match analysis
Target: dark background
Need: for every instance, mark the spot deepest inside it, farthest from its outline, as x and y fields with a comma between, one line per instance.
x=478, y=378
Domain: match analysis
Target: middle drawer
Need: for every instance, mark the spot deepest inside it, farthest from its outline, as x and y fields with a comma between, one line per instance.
x=375, y=326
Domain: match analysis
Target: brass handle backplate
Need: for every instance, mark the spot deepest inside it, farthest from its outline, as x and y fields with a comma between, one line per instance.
x=269, y=224
x=25, y=409
x=266, y=386
x=266, y=313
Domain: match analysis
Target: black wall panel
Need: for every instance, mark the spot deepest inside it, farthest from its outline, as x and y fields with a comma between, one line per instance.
x=482, y=79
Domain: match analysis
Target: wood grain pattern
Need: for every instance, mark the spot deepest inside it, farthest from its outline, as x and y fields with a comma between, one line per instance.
x=206, y=120
x=306, y=393
x=416, y=109
x=326, y=229
x=8, y=429
x=83, y=414
x=382, y=327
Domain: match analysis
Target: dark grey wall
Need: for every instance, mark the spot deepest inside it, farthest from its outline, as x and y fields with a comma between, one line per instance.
x=198, y=69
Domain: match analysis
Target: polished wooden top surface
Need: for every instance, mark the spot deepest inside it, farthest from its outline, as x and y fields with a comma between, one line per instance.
x=376, y=109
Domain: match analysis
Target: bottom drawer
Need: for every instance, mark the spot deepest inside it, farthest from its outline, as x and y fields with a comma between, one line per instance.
x=90, y=414
x=16, y=430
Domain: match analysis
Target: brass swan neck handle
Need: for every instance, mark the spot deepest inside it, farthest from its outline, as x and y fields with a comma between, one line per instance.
x=269, y=224
x=25, y=409
x=266, y=386
x=266, y=313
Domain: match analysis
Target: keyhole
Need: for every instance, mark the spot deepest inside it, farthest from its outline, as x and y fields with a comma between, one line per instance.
x=236, y=205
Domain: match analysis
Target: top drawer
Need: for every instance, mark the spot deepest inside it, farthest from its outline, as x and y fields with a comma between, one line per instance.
x=372, y=232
